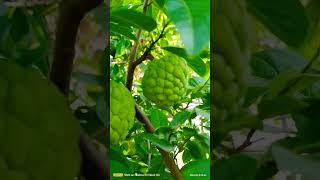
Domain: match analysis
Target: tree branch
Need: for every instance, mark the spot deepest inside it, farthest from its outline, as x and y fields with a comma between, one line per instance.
x=167, y=157
x=133, y=54
x=148, y=50
x=247, y=142
x=133, y=63
x=144, y=119
x=71, y=12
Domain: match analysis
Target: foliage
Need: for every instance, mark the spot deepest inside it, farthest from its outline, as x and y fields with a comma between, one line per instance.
x=39, y=135
x=282, y=90
x=27, y=38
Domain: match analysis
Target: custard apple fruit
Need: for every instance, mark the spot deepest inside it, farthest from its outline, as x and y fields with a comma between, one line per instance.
x=122, y=112
x=234, y=38
x=165, y=81
x=39, y=135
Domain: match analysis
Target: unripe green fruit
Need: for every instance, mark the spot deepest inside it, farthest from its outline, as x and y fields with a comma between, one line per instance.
x=122, y=112
x=38, y=134
x=232, y=31
x=165, y=81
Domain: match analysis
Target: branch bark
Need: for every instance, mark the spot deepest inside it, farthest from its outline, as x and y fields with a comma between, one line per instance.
x=133, y=54
x=71, y=12
x=133, y=63
x=167, y=157
x=70, y=15
x=247, y=142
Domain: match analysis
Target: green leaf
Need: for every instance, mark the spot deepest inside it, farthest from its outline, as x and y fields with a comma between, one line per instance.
x=194, y=62
x=189, y=132
x=267, y=170
x=306, y=81
x=304, y=165
x=310, y=46
x=307, y=122
x=253, y=93
x=161, y=3
x=279, y=105
x=117, y=167
x=180, y=118
x=196, y=150
x=177, y=51
x=20, y=26
x=291, y=82
x=119, y=161
x=158, y=118
x=281, y=82
x=165, y=130
x=281, y=18
x=116, y=3
x=39, y=28
x=197, y=64
x=269, y=63
x=192, y=20
x=236, y=167
x=301, y=144
x=157, y=165
x=129, y=17
x=122, y=30
x=200, y=167
x=161, y=143
x=186, y=156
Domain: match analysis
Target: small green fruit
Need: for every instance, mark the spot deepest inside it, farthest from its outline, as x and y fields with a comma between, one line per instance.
x=122, y=112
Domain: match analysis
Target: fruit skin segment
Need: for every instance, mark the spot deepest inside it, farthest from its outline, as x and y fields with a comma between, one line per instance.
x=39, y=135
x=122, y=112
x=233, y=39
x=165, y=81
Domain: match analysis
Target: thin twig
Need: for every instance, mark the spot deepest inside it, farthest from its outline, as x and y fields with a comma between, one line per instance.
x=148, y=50
x=133, y=63
x=181, y=147
x=133, y=54
x=247, y=142
x=304, y=70
x=197, y=92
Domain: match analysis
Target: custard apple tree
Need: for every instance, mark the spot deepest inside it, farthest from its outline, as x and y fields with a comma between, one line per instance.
x=159, y=53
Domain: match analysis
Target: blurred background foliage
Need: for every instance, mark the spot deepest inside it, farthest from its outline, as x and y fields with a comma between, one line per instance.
x=27, y=34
